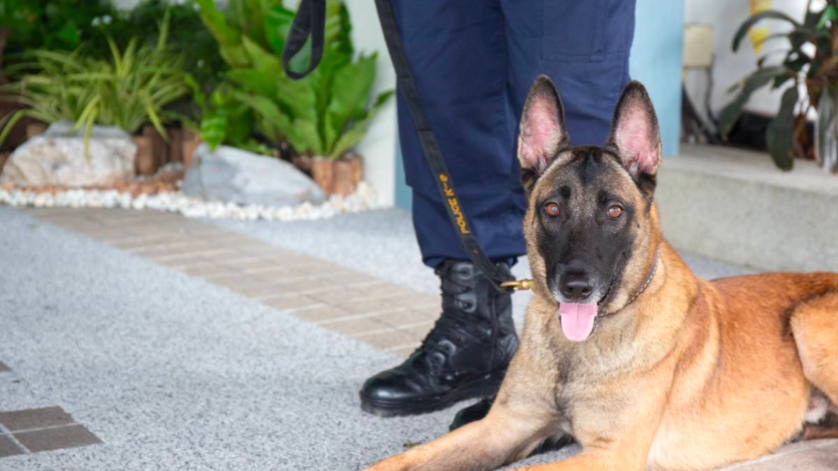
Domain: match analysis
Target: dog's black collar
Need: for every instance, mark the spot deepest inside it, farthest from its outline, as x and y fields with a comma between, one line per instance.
x=648, y=280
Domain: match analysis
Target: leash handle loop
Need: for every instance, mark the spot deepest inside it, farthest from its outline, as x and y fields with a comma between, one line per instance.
x=310, y=22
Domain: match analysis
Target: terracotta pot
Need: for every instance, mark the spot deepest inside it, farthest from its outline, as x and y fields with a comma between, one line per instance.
x=323, y=172
x=160, y=148
x=357, y=167
x=191, y=141
x=342, y=184
x=337, y=176
x=175, y=144
x=34, y=129
x=144, y=163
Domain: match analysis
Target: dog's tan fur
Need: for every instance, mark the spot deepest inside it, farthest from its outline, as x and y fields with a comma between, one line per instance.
x=692, y=375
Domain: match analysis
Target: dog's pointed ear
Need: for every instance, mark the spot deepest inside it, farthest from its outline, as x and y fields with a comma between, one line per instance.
x=543, y=129
x=635, y=136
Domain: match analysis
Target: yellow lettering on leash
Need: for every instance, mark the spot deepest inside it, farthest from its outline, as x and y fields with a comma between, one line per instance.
x=454, y=204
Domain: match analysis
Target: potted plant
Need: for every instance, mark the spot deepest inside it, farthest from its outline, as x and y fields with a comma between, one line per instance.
x=810, y=60
x=131, y=91
x=322, y=116
x=41, y=24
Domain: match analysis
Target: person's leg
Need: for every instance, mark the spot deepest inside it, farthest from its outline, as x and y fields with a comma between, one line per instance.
x=456, y=51
x=583, y=46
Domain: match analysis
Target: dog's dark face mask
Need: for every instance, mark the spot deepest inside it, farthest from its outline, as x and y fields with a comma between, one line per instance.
x=589, y=221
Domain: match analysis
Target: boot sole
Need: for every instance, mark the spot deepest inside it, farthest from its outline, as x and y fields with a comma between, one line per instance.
x=478, y=388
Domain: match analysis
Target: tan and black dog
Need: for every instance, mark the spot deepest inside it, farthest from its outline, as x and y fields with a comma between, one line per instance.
x=645, y=365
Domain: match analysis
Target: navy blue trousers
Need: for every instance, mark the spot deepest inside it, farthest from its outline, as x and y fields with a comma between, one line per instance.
x=473, y=62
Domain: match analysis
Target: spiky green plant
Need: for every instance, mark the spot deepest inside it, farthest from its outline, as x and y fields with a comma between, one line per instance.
x=131, y=88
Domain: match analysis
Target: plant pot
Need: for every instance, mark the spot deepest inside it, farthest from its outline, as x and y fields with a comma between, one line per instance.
x=826, y=131
x=175, y=144
x=144, y=163
x=323, y=172
x=357, y=165
x=337, y=176
x=34, y=129
x=190, y=142
x=159, y=146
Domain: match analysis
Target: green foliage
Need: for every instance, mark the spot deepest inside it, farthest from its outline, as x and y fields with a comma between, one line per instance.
x=130, y=89
x=186, y=33
x=326, y=113
x=810, y=60
x=66, y=25
x=225, y=120
x=780, y=133
x=50, y=24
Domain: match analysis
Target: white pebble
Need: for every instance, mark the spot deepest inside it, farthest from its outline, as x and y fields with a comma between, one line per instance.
x=364, y=198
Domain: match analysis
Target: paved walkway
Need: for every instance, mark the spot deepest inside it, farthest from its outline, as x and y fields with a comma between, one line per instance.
x=143, y=340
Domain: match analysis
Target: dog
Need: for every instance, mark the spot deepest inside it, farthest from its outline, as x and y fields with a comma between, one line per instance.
x=624, y=349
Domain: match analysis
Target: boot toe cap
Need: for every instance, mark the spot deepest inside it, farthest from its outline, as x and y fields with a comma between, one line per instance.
x=391, y=386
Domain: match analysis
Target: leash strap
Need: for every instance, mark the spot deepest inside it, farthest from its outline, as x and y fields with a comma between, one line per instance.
x=310, y=20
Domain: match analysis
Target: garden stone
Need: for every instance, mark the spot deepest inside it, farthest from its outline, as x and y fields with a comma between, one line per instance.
x=57, y=157
x=236, y=176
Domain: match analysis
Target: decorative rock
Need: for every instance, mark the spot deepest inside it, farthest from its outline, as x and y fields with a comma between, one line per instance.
x=57, y=157
x=236, y=176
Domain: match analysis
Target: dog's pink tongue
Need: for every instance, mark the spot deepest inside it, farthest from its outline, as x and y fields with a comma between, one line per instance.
x=577, y=320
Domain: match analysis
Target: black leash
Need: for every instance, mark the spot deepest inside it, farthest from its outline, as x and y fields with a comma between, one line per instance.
x=310, y=22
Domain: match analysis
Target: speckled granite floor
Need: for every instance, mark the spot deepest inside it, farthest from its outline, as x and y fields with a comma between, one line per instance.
x=182, y=345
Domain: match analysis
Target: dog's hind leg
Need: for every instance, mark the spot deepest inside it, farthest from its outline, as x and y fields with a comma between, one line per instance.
x=814, y=325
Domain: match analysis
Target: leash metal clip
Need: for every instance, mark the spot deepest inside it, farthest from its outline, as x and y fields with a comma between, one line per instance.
x=517, y=285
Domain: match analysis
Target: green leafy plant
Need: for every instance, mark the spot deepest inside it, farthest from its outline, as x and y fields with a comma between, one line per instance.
x=130, y=89
x=325, y=114
x=225, y=120
x=786, y=135
x=186, y=33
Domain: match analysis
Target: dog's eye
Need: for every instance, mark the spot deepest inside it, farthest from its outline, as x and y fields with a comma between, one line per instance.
x=614, y=211
x=551, y=209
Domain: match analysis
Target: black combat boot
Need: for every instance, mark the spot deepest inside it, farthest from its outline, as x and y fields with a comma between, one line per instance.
x=464, y=356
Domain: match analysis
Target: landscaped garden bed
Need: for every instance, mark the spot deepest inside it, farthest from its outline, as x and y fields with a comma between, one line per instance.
x=162, y=192
x=115, y=109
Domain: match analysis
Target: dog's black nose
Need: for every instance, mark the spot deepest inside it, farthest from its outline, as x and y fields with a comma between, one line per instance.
x=576, y=286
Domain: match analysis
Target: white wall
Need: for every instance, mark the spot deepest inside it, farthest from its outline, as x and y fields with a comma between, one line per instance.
x=730, y=67
x=379, y=147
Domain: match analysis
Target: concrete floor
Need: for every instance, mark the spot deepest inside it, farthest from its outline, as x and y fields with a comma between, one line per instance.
x=174, y=372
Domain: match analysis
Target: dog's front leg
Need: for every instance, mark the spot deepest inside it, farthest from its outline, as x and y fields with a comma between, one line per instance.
x=499, y=438
x=590, y=462
x=630, y=452
x=617, y=429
